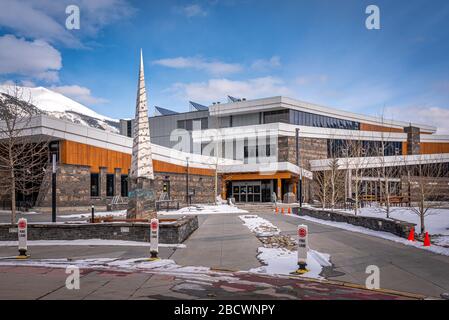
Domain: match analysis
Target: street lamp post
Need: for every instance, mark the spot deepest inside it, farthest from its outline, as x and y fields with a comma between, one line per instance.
x=298, y=163
x=187, y=182
x=53, y=189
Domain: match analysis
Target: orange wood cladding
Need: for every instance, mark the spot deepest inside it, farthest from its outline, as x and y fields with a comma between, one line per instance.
x=256, y=176
x=76, y=153
x=86, y=155
x=432, y=148
x=373, y=127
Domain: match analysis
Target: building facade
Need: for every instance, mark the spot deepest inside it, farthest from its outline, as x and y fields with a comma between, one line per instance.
x=277, y=139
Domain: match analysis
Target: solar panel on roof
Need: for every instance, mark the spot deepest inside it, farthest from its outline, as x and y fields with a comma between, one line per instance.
x=233, y=99
x=198, y=107
x=165, y=112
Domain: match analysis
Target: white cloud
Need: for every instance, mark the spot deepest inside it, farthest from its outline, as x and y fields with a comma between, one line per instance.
x=264, y=64
x=45, y=19
x=192, y=10
x=80, y=94
x=217, y=89
x=435, y=116
x=36, y=59
x=213, y=67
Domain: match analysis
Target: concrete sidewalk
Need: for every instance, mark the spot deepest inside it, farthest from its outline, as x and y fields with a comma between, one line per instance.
x=221, y=242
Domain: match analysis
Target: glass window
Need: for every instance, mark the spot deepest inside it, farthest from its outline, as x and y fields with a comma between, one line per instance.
x=110, y=190
x=124, y=185
x=94, y=185
x=204, y=123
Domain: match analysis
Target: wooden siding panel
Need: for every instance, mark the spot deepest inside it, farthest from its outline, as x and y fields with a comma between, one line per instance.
x=373, y=127
x=86, y=155
x=432, y=148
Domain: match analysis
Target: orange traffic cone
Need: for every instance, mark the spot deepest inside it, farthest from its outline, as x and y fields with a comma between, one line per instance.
x=289, y=210
x=283, y=212
x=427, y=240
x=411, y=236
x=277, y=210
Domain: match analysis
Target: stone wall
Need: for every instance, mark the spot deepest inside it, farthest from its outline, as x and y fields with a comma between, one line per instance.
x=309, y=148
x=169, y=232
x=73, y=187
x=397, y=227
x=202, y=185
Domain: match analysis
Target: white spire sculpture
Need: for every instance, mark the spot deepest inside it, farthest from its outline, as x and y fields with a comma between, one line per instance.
x=141, y=196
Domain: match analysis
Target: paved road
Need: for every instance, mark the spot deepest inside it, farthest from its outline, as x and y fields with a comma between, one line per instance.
x=401, y=267
x=49, y=283
x=222, y=242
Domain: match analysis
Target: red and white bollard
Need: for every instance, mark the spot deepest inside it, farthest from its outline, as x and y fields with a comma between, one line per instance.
x=303, y=248
x=154, y=239
x=22, y=231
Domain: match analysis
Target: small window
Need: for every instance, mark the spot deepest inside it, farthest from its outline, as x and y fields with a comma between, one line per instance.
x=124, y=185
x=110, y=190
x=94, y=185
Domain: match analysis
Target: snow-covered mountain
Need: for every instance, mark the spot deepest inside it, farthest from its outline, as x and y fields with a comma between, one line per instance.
x=62, y=107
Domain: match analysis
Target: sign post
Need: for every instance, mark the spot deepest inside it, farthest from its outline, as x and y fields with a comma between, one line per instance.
x=92, y=219
x=22, y=232
x=154, y=239
x=303, y=248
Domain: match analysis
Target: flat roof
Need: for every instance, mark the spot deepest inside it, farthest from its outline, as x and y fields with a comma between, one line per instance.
x=280, y=102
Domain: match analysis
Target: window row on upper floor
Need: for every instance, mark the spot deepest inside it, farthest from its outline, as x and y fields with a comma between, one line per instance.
x=308, y=119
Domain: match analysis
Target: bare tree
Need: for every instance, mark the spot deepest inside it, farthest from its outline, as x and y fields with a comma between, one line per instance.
x=427, y=180
x=356, y=166
x=22, y=158
x=336, y=177
x=336, y=182
x=322, y=182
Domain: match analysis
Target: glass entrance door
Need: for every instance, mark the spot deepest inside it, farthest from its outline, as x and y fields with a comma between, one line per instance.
x=250, y=191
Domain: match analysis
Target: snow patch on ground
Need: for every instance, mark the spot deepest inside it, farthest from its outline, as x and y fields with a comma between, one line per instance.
x=283, y=261
x=204, y=209
x=87, y=242
x=379, y=234
x=436, y=220
x=121, y=213
x=260, y=226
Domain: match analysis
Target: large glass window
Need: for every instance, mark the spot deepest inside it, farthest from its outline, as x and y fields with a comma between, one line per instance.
x=124, y=185
x=94, y=185
x=110, y=188
x=344, y=148
x=316, y=120
x=276, y=116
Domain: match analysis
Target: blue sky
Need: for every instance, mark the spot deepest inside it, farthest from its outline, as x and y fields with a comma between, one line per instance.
x=317, y=51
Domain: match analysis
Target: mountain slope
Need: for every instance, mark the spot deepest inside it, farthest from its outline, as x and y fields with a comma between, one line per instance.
x=62, y=107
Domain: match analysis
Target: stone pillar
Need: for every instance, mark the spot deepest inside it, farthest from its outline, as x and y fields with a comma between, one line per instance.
x=103, y=173
x=279, y=191
x=413, y=140
x=118, y=182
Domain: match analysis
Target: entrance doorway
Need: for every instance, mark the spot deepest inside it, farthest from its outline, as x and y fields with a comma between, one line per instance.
x=252, y=191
